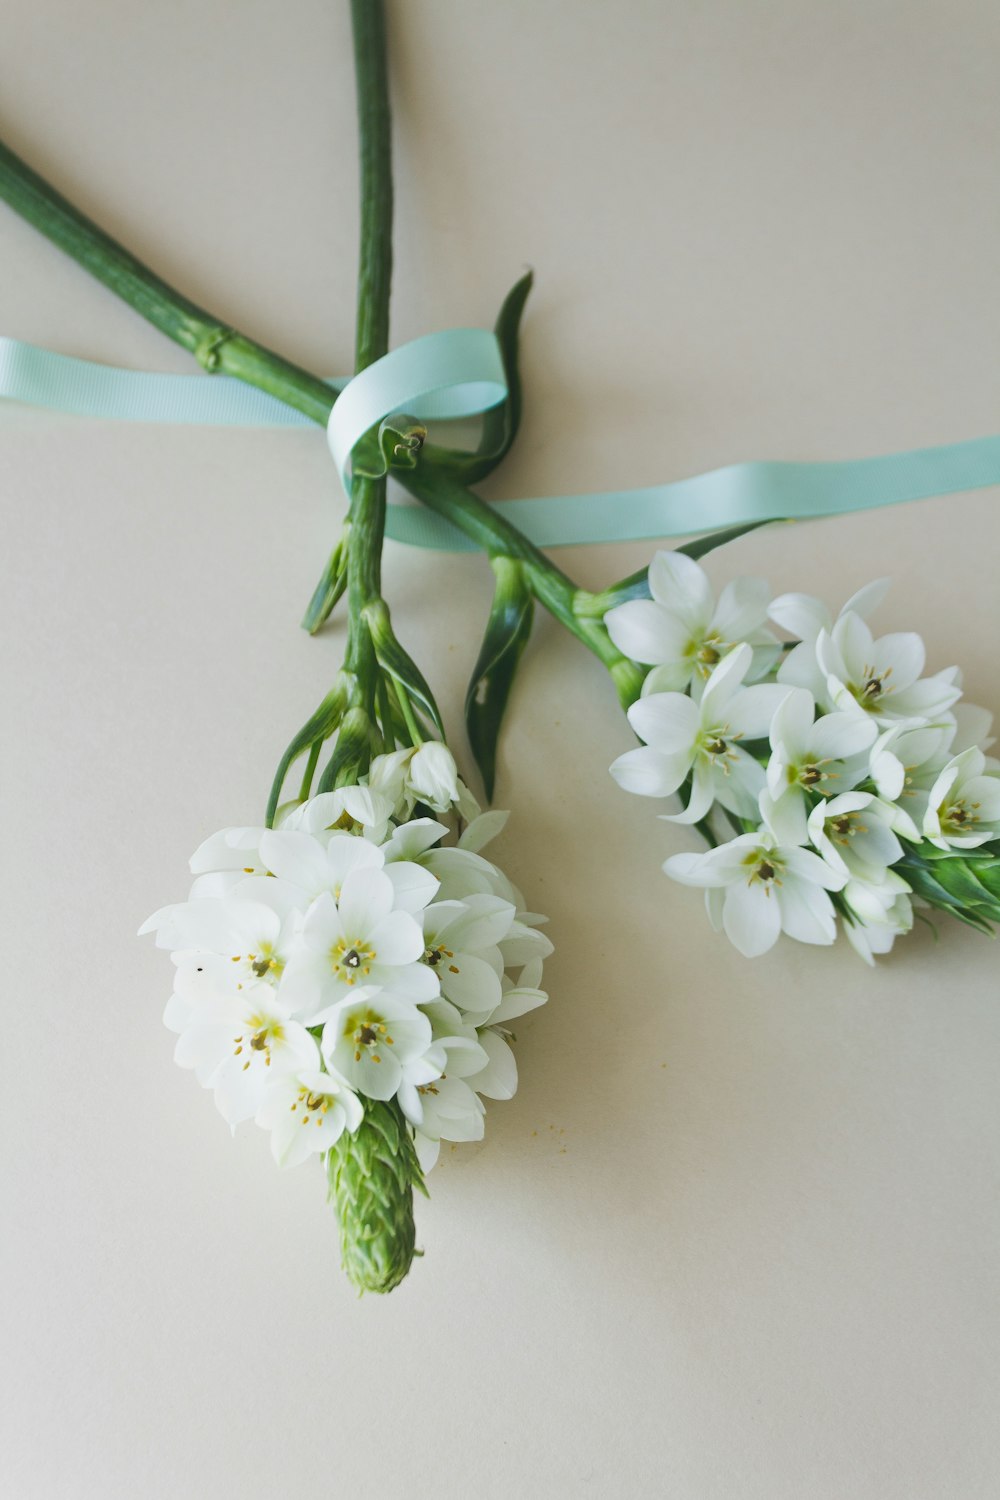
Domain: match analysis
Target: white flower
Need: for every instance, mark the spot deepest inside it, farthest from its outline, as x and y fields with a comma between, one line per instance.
x=684, y=737
x=446, y=1107
x=432, y=777
x=963, y=810
x=235, y=1039
x=822, y=757
x=359, y=939
x=427, y=774
x=755, y=889
x=498, y=1080
x=522, y=997
x=881, y=912
x=349, y=809
x=854, y=834
x=908, y=757
x=376, y=1041
x=882, y=677
x=460, y=939
x=307, y=1111
x=682, y=633
x=254, y=927
x=803, y=616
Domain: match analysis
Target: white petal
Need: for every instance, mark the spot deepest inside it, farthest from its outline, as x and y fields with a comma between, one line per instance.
x=366, y=899
x=724, y=682
x=792, y=723
x=646, y=632
x=296, y=857
x=671, y=677
x=469, y=982
x=647, y=773
x=666, y=721
x=518, y=1002
x=809, y=867
x=701, y=798
x=679, y=583
x=742, y=608
x=868, y=598
x=903, y=655
x=414, y=886
x=396, y=939
x=785, y=816
x=752, y=709
x=499, y=1079
x=751, y=918
x=839, y=736
x=806, y=913
x=801, y=615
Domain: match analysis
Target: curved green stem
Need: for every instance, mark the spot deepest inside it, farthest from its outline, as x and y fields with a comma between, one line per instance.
x=216, y=346
x=553, y=588
x=220, y=348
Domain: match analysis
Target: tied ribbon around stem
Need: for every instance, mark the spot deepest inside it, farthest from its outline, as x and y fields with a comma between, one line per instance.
x=459, y=373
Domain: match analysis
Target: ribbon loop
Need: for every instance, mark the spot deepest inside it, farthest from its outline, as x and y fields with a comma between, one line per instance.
x=442, y=376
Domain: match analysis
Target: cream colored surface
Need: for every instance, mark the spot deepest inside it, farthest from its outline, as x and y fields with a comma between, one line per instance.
x=737, y=1236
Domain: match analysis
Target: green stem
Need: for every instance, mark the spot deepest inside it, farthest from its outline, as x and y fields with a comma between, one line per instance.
x=220, y=348
x=364, y=553
x=310, y=771
x=216, y=346
x=406, y=709
x=553, y=588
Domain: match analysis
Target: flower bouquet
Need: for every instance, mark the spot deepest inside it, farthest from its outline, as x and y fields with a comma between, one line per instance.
x=347, y=969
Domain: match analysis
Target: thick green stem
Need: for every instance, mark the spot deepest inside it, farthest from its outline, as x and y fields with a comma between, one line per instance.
x=217, y=347
x=364, y=548
x=375, y=265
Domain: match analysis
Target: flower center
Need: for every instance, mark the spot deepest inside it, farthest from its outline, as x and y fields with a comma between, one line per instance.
x=370, y=1035
x=258, y=1039
x=349, y=959
x=314, y=1106
x=811, y=774
x=717, y=743
x=843, y=828
x=873, y=686
x=763, y=869
x=706, y=652
x=434, y=956
x=958, y=816
x=261, y=964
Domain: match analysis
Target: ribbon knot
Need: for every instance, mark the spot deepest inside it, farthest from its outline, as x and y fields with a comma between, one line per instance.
x=459, y=373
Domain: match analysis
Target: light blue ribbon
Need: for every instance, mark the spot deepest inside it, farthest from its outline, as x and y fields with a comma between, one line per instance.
x=459, y=373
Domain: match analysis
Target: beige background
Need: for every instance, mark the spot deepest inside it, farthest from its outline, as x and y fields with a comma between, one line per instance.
x=736, y=1238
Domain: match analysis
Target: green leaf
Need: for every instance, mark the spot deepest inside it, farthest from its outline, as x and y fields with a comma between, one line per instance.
x=636, y=586
x=315, y=730
x=703, y=545
x=330, y=587
x=507, y=632
x=500, y=423
x=399, y=664
x=352, y=753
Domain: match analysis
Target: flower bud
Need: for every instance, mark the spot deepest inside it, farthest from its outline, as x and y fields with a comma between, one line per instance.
x=432, y=777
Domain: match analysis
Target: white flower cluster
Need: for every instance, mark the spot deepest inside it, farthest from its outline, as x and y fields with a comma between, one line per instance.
x=351, y=951
x=824, y=758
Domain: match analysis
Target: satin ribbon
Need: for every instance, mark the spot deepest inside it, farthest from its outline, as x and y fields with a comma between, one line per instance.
x=459, y=373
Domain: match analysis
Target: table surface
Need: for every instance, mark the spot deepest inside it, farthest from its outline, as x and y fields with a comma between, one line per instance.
x=737, y=1234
